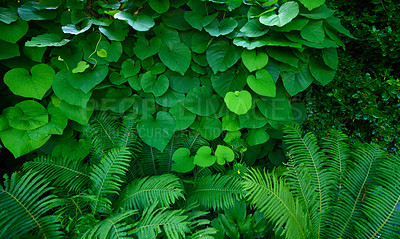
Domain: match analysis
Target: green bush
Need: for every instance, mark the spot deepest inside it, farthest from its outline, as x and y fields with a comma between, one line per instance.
x=215, y=67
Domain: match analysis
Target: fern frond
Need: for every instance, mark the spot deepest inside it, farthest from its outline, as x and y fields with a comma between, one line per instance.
x=64, y=172
x=126, y=135
x=154, y=221
x=111, y=227
x=304, y=150
x=107, y=176
x=24, y=202
x=357, y=179
x=216, y=191
x=270, y=195
x=141, y=193
x=382, y=218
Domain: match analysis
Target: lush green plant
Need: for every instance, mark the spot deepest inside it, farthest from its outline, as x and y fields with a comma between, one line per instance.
x=208, y=66
x=338, y=190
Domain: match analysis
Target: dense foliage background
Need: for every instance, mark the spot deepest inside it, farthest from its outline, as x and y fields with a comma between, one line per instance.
x=180, y=119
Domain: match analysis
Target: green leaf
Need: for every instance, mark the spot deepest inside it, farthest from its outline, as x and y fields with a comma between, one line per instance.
x=335, y=24
x=210, y=128
x=257, y=136
x=102, y=53
x=314, y=32
x=254, y=61
x=117, y=100
x=311, y=4
x=202, y=101
x=286, y=13
x=27, y=115
x=253, y=28
x=33, y=11
x=224, y=154
x=19, y=142
x=144, y=48
x=170, y=98
x=321, y=12
x=203, y=157
x=230, y=122
x=238, y=102
x=277, y=108
x=252, y=120
x=87, y=80
x=8, y=50
x=34, y=53
x=183, y=117
x=230, y=80
x=220, y=28
x=182, y=84
x=330, y=57
x=197, y=20
x=183, y=162
x=81, y=67
x=45, y=40
x=76, y=113
x=34, y=85
x=75, y=30
x=117, y=31
x=321, y=72
x=295, y=25
x=296, y=82
x=139, y=23
x=160, y=6
x=63, y=90
x=130, y=68
x=176, y=57
x=283, y=55
x=263, y=83
x=8, y=15
x=151, y=84
x=14, y=31
x=265, y=41
x=221, y=55
x=157, y=132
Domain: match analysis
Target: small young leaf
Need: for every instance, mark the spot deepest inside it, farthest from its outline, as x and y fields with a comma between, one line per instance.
x=203, y=157
x=238, y=102
x=81, y=67
x=224, y=154
x=183, y=162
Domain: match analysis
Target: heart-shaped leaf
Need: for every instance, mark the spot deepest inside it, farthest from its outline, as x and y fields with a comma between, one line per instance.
x=144, y=48
x=75, y=30
x=176, y=57
x=139, y=23
x=183, y=117
x=257, y=136
x=230, y=122
x=63, y=90
x=209, y=127
x=238, y=102
x=313, y=32
x=201, y=101
x=170, y=98
x=34, y=85
x=311, y=4
x=321, y=72
x=151, y=84
x=8, y=50
x=160, y=6
x=296, y=82
x=224, y=27
x=286, y=13
x=14, y=31
x=183, y=162
x=203, y=157
x=221, y=55
x=277, y=108
x=330, y=57
x=87, y=80
x=197, y=20
x=230, y=80
x=27, y=115
x=130, y=68
x=253, y=28
x=76, y=113
x=102, y=53
x=263, y=83
x=224, y=154
x=254, y=61
x=157, y=132
x=81, y=67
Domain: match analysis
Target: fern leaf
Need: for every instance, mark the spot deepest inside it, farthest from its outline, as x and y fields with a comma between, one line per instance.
x=154, y=221
x=304, y=150
x=24, y=202
x=216, y=191
x=64, y=172
x=272, y=197
x=107, y=176
x=111, y=227
x=141, y=193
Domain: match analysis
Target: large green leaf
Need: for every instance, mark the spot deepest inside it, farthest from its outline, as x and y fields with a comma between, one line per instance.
x=203, y=157
x=182, y=84
x=170, y=98
x=8, y=15
x=144, y=48
x=87, y=80
x=321, y=72
x=330, y=57
x=314, y=32
x=253, y=60
x=152, y=84
x=238, y=102
x=202, y=101
x=224, y=154
x=277, y=108
x=27, y=115
x=14, y=31
x=321, y=12
x=251, y=44
x=117, y=31
x=197, y=20
x=286, y=13
x=221, y=55
x=157, y=132
x=8, y=50
x=253, y=28
x=75, y=29
x=137, y=22
x=283, y=55
x=257, y=136
x=76, y=113
x=63, y=90
x=296, y=82
x=45, y=40
x=176, y=57
x=183, y=117
x=230, y=80
x=31, y=85
x=263, y=83
x=160, y=6
x=311, y=4
x=209, y=127
x=183, y=162
x=224, y=27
